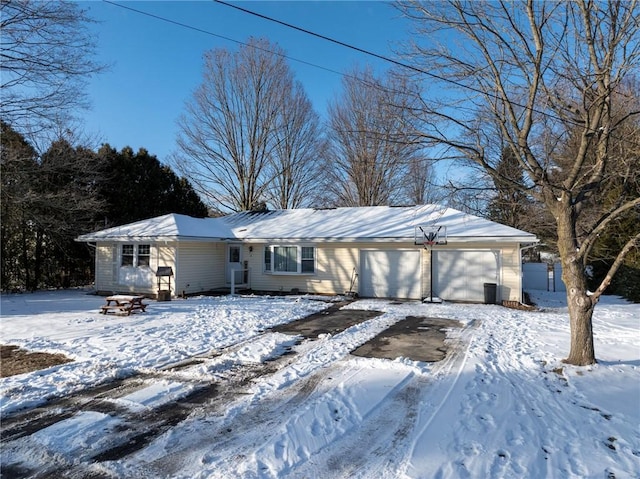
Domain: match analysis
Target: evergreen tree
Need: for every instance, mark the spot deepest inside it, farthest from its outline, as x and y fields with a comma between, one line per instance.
x=18, y=163
x=510, y=205
x=138, y=186
x=46, y=202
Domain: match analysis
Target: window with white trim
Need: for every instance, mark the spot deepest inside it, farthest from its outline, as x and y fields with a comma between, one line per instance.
x=144, y=255
x=288, y=259
x=308, y=263
x=136, y=255
x=127, y=255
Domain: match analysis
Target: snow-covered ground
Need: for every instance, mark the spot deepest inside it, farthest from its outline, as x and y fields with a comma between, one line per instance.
x=501, y=405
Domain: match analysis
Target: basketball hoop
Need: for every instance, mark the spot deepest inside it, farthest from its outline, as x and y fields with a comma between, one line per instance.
x=429, y=236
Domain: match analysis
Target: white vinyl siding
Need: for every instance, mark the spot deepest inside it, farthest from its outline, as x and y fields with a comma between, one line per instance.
x=106, y=264
x=511, y=273
x=333, y=269
x=114, y=277
x=459, y=275
x=199, y=267
x=336, y=267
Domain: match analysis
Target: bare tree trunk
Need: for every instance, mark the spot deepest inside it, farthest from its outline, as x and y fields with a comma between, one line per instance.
x=579, y=302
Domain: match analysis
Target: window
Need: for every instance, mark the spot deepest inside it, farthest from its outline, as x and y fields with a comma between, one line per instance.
x=127, y=255
x=234, y=254
x=289, y=259
x=144, y=255
x=136, y=255
x=285, y=259
x=308, y=261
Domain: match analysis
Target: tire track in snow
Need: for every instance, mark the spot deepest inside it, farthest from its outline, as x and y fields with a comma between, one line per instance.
x=133, y=411
x=375, y=445
x=377, y=448
x=257, y=417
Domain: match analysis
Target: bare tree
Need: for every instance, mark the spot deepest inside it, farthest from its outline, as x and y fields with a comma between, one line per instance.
x=233, y=131
x=371, y=144
x=299, y=146
x=540, y=71
x=45, y=54
x=420, y=182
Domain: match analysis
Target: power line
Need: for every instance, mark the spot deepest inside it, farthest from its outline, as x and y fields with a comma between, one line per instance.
x=337, y=42
x=410, y=67
x=342, y=44
x=345, y=45
x=238, y=42
x=370, y=53
x=207, y=32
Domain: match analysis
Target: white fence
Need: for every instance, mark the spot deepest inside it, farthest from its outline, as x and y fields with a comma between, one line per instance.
x=538, y=276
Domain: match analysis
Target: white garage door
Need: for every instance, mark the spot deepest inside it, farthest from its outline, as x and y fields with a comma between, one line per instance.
x=390, y=274
x=460, y=275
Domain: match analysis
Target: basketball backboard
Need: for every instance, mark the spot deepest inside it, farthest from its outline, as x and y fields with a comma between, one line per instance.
x=431, y=235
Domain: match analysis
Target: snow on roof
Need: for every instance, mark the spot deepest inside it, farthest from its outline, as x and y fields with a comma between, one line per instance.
x=347, y=224
x=168, y=227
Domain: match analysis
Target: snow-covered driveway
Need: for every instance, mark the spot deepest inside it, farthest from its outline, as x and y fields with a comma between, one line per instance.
x=500, y=405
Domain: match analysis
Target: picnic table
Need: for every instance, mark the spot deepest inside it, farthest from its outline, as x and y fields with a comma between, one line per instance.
x=123, y=304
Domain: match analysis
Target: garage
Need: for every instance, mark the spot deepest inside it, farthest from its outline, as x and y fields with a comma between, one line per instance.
x=390, y=274
x=460, y=275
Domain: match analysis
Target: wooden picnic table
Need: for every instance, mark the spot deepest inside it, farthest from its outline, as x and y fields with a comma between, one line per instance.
x=123, y=303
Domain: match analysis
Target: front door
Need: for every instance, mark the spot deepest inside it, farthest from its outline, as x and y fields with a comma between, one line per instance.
x=234, y=263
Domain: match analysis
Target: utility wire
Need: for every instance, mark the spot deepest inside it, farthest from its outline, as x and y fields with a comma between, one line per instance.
x=340, y=43
x=238, y=42
x=409, y=67
x=346, y=45
x=206, y=32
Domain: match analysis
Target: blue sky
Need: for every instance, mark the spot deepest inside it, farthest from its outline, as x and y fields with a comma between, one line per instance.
x=155, y=65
